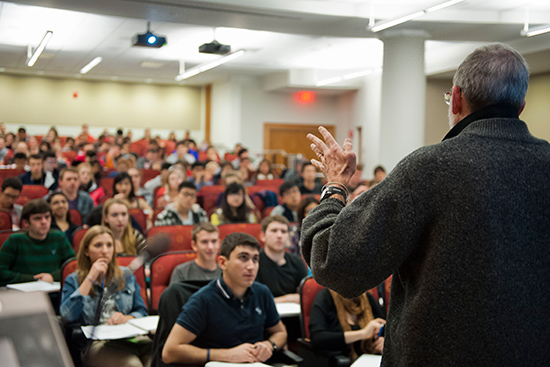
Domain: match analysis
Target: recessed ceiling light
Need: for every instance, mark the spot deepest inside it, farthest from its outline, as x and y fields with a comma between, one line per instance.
x=2, y=70
x=151, y=64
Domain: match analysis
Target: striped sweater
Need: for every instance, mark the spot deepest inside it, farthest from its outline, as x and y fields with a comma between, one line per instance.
x=21, y=257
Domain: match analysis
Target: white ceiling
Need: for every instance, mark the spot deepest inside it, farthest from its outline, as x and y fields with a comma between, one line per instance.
x=327, y=37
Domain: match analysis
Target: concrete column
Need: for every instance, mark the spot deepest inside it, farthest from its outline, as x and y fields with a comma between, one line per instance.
x=403, y=95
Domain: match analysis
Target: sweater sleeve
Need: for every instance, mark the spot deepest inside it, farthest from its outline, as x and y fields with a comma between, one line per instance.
x=8, y=254
x=324, y=328
x=353, y=248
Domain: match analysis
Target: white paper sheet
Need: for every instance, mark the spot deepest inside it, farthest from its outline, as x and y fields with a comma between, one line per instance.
x=288, y=309
x=38, y=286
x=148, y=323
x=368, y=360
x=112, y=332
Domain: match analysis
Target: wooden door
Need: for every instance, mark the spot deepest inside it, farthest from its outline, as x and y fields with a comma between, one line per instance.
x=291, y=138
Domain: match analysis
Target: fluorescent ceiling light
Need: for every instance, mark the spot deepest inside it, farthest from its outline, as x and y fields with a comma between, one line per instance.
x=204, y=67
x=337, y=79
x=406, y=18
x=32, y=59
x=92, y=64
x=535, y=31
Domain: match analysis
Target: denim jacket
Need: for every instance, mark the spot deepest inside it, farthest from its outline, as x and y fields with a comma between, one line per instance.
x=78, y=308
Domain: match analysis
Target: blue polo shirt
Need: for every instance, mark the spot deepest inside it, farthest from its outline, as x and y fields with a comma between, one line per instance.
x=220, y=320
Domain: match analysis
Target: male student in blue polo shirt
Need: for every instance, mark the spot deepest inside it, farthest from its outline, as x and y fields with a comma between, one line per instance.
x=228, y=319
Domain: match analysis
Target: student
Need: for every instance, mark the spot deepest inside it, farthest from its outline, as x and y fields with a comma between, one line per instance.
x=170, y=191
x=128, y=241
x=36, y=254
x=206, y=243
x=61, y=215
x=184, y=211
x=290, y=193
x=37, y=175
x=123, y=188
x=229, y=319
x=234, y=208
x=78, y=199
x=309, y=185
x=347, y=326
x=11, y=189
x=280, y=271
x=121, y=300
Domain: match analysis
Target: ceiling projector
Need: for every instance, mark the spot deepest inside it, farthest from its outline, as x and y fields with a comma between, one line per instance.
x=215, y=47
x=148, y=39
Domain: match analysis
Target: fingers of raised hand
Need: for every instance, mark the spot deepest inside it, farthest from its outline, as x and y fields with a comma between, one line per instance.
x=317, y=144
x=329, y=139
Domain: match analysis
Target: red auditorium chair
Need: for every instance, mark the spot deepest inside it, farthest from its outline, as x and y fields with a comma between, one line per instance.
x=76, y=217
x=11, y=172
x=67, y=268
x=107, y=184
x=139, y=274
x=140, y=217
x=22, y=200
x=77, y=237
x=308, y=290
x=70, y=155
x=4, y=234
x=156, y=212
x=253, y=229
x=5, y=220
x=34, y=191
x=148, y=174
x=161, y=271
x=180, y=236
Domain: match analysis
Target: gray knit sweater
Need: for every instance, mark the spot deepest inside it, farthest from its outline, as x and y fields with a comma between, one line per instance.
x=464, y=227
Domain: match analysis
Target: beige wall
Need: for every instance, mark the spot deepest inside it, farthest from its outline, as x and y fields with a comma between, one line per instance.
x=50, y=101
x=536, y=113
x=437, y=122
x=537, y=107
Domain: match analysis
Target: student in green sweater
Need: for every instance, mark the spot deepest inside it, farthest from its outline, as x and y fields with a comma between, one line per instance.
x=37, y=254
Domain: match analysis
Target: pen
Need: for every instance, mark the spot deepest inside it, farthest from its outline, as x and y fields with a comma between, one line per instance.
x=381, y=330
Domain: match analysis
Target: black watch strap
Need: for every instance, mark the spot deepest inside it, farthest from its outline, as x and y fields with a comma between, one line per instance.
x=328, y=191
x=273, y=344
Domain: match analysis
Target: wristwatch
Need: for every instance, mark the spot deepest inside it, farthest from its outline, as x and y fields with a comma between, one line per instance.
x=328, y=191
x=273, y=344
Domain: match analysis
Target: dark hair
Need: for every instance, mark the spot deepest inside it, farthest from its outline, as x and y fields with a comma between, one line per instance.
x=13, y=182
x=306, y=164
x=302, y=208
x=59, y=193
x=242, y=210
x=286, y=186
x=203, y=226
x=48, y=145
x=187, y=184
x=36, y=206
x=198, y=164
x=237, y=239
x=165, y=165
x=379, y=169
x=121, y=177
x=242, y=151
x=21, y=130
x=91, y=154
x=36, y=156
x=181, y=142
x=49, y=154
x=119, y=132
x=20, y=156
x=274, y=218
